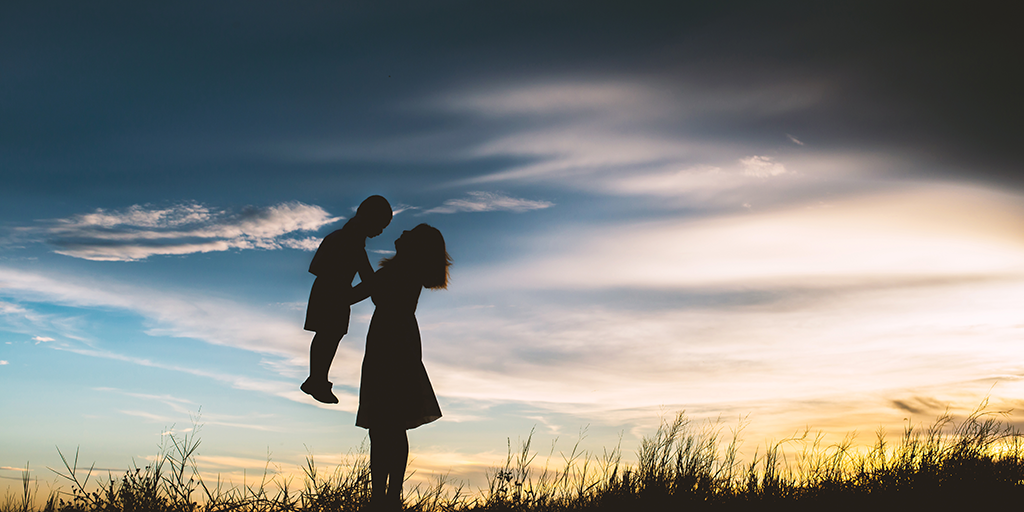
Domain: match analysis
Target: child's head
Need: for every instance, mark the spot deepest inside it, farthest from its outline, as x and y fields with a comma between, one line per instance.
x=423, y=248
x=374, y=214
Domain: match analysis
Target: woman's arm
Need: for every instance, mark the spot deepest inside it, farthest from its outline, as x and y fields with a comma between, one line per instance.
x=363, y=267
x=359, y=292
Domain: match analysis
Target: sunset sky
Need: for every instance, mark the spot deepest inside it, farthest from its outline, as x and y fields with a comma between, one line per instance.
x=781, y=216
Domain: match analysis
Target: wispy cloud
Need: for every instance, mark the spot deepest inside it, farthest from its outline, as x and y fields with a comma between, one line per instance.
x=141, y=231
x=283, y=389
x=587, y=133
x=6, y=308
x=553, y=98
x=168, y=312
x=174, y=313
x=795, y=140
x=488, y=202
x=3, y=362
x=18, y=318
x=762, y=166
x=183, y=407
x=399, y=208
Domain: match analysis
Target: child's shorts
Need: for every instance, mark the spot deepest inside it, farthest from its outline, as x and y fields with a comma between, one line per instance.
x=327, y=310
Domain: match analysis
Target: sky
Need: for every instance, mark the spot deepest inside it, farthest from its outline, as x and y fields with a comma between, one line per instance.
x=775, y=217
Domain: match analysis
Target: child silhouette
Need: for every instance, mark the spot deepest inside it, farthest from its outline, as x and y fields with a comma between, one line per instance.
x=340, y=256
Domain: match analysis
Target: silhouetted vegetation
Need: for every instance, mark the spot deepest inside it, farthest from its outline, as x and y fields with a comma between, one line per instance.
x=976, y=462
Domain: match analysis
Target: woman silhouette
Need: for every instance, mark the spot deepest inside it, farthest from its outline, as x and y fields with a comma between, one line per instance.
x=394, y=391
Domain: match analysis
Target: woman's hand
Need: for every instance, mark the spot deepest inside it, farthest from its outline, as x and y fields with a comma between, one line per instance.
x=358, y=293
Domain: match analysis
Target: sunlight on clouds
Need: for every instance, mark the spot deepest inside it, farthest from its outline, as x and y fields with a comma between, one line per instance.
x=931, y=232
x=612, y=367
x=696, y=186
x=805, y=310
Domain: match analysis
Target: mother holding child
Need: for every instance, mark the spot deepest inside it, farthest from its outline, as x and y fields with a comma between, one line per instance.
x=394, y=391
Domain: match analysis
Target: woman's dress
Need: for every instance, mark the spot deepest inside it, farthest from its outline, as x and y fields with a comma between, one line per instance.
x=394, y=390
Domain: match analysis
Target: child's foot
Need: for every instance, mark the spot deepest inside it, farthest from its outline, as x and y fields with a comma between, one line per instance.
x=321, y=391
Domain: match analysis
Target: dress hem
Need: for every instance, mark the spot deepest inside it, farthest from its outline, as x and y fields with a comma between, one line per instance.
x=411, y=425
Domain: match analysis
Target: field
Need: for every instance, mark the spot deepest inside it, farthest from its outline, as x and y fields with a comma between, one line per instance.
x=975, y=462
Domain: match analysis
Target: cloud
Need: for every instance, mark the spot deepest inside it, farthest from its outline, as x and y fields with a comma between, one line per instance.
x=283, y=389
x=42, y=339
x=630, y=99
x=6, y=308
x=175, y=313
x=27, y=321
x=399, y=208
x=488, y=202
x=587, y=132
x=590, y=134
x=552, y=97
x=867, y=299
x=931, y=231
x=305, y=244
x=168, y=312
x=141, y=231
x=2, y=362
x=795, y=140
x=761, y=167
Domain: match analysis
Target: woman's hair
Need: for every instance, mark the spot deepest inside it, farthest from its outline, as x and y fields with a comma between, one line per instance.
x=423, y=250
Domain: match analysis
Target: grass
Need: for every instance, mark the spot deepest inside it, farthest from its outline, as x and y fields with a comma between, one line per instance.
x=976, y=462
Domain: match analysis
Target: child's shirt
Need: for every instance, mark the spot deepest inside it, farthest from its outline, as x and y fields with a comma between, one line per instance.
x=340, y=256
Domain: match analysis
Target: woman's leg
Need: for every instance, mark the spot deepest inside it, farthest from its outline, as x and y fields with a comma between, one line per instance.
x=389, y=454
x=379, y=447
x=396, y=471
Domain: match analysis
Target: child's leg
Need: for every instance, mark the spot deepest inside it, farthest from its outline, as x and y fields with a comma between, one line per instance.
x=321, y=354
